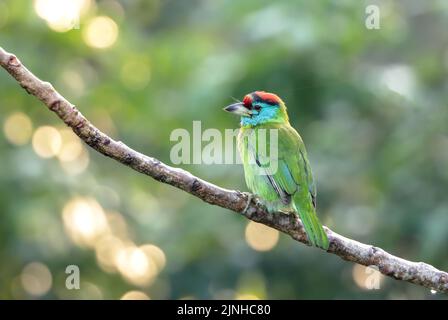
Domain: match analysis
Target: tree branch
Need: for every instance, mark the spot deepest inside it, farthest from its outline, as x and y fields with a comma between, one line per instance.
x=415, y=272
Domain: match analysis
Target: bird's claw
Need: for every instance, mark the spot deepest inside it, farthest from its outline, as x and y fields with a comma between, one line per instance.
x=249, y=200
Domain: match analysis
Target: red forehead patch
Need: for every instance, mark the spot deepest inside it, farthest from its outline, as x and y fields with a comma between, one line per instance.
x=247, y=101
x=267, y=97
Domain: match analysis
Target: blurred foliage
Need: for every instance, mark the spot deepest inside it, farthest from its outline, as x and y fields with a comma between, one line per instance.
x=370, y=105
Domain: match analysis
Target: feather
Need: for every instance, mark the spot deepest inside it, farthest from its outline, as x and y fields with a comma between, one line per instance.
x=292, y=184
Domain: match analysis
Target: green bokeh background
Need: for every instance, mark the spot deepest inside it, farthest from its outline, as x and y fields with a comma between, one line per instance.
x=371, y=106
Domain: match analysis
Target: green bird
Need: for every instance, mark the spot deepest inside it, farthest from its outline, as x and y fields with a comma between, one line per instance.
x=277, y=170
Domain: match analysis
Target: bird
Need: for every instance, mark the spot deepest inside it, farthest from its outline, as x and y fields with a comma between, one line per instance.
x=280, y=177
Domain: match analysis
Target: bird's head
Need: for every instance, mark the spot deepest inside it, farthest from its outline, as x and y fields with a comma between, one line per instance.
x=259, y=107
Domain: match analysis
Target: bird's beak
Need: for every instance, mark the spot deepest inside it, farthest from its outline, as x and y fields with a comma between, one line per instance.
x=239, y=109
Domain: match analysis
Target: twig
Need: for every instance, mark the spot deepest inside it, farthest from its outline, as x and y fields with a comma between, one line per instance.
x=416, y=272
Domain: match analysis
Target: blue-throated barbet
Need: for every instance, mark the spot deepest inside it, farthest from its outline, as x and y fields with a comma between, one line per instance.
x=288, y=185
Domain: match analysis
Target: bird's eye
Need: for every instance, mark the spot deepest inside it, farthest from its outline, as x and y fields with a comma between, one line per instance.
x=257, y=108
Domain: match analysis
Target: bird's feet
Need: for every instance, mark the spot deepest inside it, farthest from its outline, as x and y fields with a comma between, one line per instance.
x=250, y=197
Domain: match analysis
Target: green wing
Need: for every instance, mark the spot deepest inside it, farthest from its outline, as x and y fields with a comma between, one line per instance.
x=292, y=182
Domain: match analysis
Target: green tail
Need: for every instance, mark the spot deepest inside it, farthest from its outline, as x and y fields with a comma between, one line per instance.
x=313, y=227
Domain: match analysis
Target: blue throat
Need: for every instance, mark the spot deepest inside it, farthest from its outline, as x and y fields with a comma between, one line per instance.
x=267, y=114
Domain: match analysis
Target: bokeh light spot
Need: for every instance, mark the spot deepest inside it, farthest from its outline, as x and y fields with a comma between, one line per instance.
x=135, y=266
x=101, y=32
x=107, y=250
x=71, y=146
x=367, y=278
x=84, y=220
x=36, y=279
x=18, y=128
x=400, y=79
x=261, y=237
x=73, y=156
x=156, y=254
x=135, y=295
x=47, y=141
x=61, y=16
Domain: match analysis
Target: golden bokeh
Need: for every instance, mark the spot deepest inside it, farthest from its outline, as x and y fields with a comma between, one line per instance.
x=261, y=237
x=47, y=141
x=367, y=278
x=90, y=291
x=36, y=279
x=62, y=15
x=85, y=221
x=135, y=266
x=71, y=146
x=135, y=295
x=246, y=296
x=101, y=32
x=73, y=156
x=88, y=225
x=156, y=254
x=107, y=249
x=18, y=128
